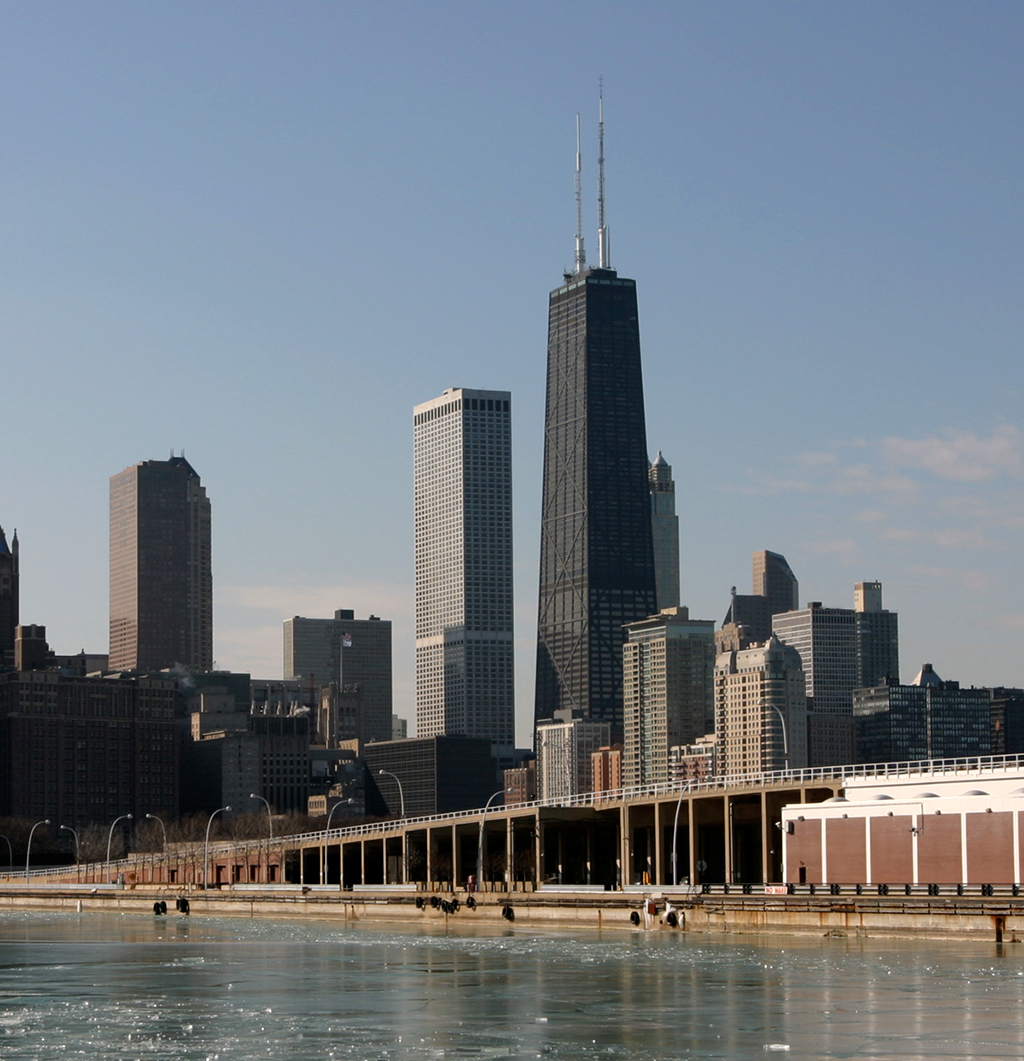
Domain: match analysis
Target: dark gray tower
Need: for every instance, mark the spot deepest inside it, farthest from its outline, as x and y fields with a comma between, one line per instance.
x=596, y=555
x=665, y=532
x=8, y=596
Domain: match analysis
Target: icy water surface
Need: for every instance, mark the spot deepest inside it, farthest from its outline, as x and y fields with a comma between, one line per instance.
x=133, y=986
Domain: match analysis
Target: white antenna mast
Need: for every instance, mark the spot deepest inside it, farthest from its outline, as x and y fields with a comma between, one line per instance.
x=603, y=255
x=581, y=256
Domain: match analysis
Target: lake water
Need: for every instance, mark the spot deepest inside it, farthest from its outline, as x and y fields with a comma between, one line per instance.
x=134, y=986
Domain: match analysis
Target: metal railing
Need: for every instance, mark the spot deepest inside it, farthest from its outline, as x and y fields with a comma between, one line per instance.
x=965, y=765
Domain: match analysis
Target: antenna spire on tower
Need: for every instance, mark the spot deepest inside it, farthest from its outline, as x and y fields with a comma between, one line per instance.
x=603, y=255
x=581, y=255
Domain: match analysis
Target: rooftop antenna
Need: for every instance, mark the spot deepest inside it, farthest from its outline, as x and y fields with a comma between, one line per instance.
x=581, y=255
x=602, y=229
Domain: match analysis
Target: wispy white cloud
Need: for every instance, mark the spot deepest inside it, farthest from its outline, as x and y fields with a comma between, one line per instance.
x=960, y=455
x=816, y=460
x=972, y=580
x=842, y=547
x=864, y=479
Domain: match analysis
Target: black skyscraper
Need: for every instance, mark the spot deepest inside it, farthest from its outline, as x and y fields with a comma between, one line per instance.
x=596, y=555
x=8, y=596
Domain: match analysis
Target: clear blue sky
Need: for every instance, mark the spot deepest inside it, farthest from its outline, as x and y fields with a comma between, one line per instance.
x=262, y=232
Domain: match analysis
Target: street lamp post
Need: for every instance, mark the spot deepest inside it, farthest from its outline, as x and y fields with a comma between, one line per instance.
x=110, y=837
x=75, y=835
x=163, y=828
x=206, y=850
x=675, y=838
x=28, y=849
x=323, y=854
x=480, y=838
x=401, y=794
x=270, y=817
x=785, y=739
x=10, y=851
x=270, y=827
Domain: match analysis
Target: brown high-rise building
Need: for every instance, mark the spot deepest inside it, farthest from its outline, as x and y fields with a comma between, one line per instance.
x=161, y=586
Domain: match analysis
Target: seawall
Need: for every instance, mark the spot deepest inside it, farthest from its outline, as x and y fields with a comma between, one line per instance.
x=998, y=918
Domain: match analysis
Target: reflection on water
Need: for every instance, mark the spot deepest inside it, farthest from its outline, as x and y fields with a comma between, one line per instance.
x=134, y=986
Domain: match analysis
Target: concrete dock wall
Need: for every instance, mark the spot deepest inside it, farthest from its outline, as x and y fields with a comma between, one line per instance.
x=998, y=918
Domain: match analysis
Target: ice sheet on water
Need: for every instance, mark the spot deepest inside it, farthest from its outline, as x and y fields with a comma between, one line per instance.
x=246, y=989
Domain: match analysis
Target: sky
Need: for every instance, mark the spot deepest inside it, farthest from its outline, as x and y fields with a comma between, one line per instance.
x=259, y=233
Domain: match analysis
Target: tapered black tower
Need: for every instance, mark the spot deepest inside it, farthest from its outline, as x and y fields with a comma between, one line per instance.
x=596, y=551
x=596, y=555
x=8, y=597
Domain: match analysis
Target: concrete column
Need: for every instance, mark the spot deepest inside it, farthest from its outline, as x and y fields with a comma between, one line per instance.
x=657, y=878
x=362, y=861
x=727, y=825
x=302, y=866
x=767, y=832
x=509, y=852
x=430, y=857
x=538, y=854
x=590, y=851
x=455, y=856
x=625, y=847
x=691, y=818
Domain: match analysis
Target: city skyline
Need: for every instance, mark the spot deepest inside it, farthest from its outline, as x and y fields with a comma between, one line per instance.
x=819, y=205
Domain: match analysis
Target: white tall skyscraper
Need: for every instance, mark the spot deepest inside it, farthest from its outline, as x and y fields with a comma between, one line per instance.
x=463, y=514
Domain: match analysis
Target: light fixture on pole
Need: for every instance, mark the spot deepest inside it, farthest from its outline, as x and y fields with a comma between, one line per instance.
x=785, y=739
x=28, y=849
x=323, y=853
x=270, y=828
x=206, y=850
x=163, y=828
x=675, y=838
x=480, y=838
x=75, y=835
x=110, y=837
x=270, y=816
x=401, y=794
